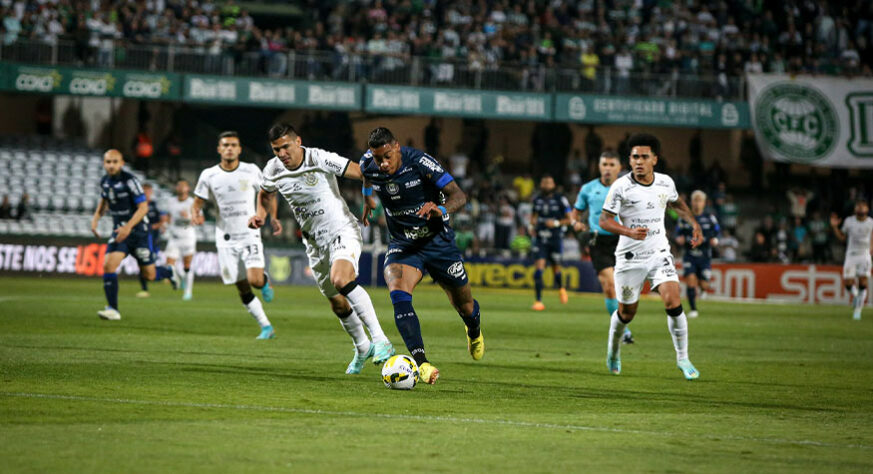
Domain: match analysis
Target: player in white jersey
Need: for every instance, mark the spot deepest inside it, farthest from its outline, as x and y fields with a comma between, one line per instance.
x=181, y=235
x=856, y=231
x=640, y=199
x=306, y=178
x=232, y=187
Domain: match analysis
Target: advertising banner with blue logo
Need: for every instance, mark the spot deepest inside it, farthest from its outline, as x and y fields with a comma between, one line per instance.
x=818, y=121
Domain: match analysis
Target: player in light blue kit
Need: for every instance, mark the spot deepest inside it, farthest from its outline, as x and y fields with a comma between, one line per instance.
x=601, y=244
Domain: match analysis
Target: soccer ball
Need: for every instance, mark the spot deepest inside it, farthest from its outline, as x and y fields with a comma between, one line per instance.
x=400, y=373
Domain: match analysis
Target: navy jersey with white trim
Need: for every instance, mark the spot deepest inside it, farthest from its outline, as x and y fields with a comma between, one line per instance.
x=708, y=226
x=123, y=193
x=549, y=207
x=419, y=179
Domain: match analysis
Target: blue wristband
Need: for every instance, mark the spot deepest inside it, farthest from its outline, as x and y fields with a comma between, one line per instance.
x=366, y=191
x=443, y=209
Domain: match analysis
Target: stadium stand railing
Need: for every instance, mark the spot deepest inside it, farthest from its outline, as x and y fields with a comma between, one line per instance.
x=378, y=69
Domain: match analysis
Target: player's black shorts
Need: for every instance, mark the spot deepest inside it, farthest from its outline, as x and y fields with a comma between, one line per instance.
x=603, y=251
x=440, y=257
x=549, y=249
x=138, y=244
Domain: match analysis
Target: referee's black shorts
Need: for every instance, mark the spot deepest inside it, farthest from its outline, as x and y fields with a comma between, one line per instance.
x=602, y=251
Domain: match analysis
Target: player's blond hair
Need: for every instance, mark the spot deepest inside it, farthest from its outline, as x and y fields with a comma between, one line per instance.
x=698, y=193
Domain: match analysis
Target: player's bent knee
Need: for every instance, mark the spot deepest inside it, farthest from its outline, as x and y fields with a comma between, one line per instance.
x=343, y=284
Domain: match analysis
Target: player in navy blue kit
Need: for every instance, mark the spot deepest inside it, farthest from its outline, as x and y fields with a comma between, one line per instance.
x=601, y=244
x=155, y=217
x=418, y=195
x=123, y=196
x=551, y=213
x=697, y=262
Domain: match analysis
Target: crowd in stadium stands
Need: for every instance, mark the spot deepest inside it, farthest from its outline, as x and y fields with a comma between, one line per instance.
x=605, y=41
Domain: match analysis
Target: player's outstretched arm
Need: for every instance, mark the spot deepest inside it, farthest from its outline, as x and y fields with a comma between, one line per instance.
x=197, y=211
x=353, y=171
x=98, y=213
x=264, y=201
x=608, y=223
x=685, y=214
x=835, y=225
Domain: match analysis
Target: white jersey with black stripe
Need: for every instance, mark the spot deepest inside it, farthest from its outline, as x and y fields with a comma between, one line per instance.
x=234, y=193
x=639, y=205
x=312, y=192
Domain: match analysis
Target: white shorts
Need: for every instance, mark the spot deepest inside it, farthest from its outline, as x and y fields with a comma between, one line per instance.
x=857, y=266
x=631, y=275
x=178, y=248
x=345, y=246
x=233, y=261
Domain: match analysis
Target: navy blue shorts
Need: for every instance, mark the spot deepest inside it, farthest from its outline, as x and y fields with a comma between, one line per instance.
x=700, y=266
x=548, y=249
x=138, y=244
x=440, y=257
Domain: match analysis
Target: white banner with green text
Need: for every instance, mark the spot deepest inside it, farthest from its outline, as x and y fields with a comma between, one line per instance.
x=820, y=121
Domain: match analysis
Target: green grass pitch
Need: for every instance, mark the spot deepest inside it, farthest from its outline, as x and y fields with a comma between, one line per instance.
x=184, y=387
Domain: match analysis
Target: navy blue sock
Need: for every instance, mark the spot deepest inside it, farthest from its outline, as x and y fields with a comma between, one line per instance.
x=538, y=284
x=692, y=297
x=472, y=321
x=110, y=287
x=143, y=283
x=559, y=280
x=162, y=272
x=408, y=325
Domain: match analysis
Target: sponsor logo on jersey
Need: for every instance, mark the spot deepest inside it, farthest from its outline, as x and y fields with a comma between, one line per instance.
x=430, y=164
x=413, y=183
x=796, y=121
x=457, y=270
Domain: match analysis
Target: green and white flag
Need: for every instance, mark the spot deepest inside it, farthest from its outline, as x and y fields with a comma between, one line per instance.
x=819, y=121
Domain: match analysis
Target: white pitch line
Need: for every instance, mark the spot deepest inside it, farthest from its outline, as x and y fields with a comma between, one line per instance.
x=429, y=418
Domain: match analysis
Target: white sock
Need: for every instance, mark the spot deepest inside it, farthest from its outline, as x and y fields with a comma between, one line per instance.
x=257, y=311
x=678, y=327
x=363, y=307
x=616, y=330
x=352, y=325
x=861, y=299
x=189, y=280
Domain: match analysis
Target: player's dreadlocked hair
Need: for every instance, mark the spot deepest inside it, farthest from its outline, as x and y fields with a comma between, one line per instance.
x=281, y=129
x=645, y=139
x=379, y=137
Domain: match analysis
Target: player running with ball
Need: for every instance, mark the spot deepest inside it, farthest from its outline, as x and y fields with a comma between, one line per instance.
x=418, y=195
x=640, y=199
x=306, y=178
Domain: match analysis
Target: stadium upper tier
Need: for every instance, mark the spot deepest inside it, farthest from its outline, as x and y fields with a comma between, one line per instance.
x=62, y=185
x=699, y=49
